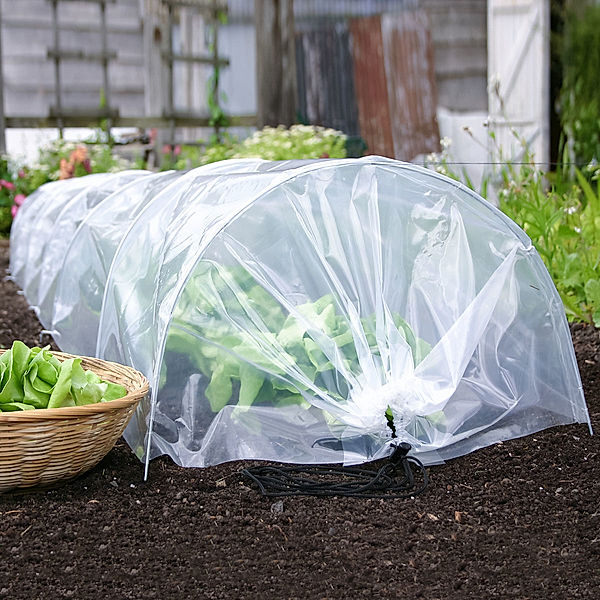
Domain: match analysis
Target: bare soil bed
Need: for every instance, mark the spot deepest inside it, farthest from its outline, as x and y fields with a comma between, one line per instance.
x=520, y=519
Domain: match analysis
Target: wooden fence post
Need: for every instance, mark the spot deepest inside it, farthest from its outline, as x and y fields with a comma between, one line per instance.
x=276, y=62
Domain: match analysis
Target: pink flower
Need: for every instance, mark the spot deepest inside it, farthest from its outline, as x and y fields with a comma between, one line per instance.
x=166, y=149
x=21, y=173
x=19, y=199
x=9, y=185
x=177, y=150
x=14, y=209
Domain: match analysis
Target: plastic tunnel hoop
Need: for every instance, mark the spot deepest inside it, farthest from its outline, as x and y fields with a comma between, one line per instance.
x=293, y=311
x=519, y=243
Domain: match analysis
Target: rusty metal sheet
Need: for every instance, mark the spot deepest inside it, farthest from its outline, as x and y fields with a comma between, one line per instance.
x=326, y=91
x=410, y=75
x=371, y=86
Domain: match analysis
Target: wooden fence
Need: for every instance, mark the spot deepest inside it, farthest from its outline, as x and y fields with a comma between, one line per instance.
x=373, y=77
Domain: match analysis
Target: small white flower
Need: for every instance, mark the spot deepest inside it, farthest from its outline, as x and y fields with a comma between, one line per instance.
x=445, y=143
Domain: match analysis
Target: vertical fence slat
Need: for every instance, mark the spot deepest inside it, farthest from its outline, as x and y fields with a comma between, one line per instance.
x=370, y=83
x=326, y=78
x=410, y=75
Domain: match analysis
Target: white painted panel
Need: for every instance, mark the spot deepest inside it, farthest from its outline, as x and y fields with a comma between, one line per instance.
x=190, y=81
x=518, y=77
x=29, y=75
x=237, y=42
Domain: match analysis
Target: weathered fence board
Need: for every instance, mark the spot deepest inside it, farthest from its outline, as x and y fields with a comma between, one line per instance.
x=371, y=86
x=410, y=74
x=459, y=36
x=326, y=78
x=29, y=69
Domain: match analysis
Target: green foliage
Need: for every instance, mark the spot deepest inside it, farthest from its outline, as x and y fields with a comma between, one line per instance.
x=35, y=378
x=58, y=160
x=257, y=363
x=279, y=143
x=218, y=118
x=64, y=159
x=270, y=143
x=580, y=94
x=13, y=191
x=563, y=222
x=5, y=220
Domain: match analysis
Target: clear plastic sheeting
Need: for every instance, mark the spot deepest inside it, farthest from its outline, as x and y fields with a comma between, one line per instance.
x=80, y=282
x=61, y=232
x=314, y=311
x=32, y=225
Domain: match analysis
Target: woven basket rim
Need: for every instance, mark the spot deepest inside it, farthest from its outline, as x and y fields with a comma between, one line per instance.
x=136, y=383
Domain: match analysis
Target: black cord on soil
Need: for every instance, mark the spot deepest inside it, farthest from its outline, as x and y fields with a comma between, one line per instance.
x=395, y=479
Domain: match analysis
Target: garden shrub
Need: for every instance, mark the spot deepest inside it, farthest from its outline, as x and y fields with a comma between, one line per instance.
x=579, y=102
x=270, y=143
x=562, y=219
x=58, y=160
x=13, y=189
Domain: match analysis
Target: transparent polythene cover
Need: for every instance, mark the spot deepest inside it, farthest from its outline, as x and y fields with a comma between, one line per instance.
x=33, y=223
x=81, y=281
x=59, y=234
x=310, y=311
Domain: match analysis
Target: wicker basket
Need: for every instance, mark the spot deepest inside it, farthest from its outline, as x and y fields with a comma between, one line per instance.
x=44, y=446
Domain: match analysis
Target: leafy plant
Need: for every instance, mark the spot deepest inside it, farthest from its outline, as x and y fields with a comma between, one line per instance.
x=270, y=143
x=280, y=143
x=257, y=363
x=35, y=378
x=218, y=118
x=64, y=159
x=13, y=190
x=563, y=222
x=579, y=101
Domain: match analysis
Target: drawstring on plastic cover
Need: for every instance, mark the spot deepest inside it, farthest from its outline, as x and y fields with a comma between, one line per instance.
x=395, y=479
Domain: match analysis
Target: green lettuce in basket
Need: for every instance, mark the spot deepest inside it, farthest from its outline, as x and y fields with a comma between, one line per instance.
x=34, y=378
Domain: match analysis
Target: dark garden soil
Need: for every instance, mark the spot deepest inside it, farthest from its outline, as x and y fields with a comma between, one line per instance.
x=518, y=520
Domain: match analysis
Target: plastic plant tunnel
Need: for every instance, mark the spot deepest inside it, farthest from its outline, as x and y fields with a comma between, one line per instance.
x=304, y=311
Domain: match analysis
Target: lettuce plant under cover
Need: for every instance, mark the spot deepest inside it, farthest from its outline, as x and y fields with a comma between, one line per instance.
x=232, y=359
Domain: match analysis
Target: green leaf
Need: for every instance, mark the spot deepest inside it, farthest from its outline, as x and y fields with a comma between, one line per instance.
x=590, y=196
x=61, y=394
x=12, y=390
x=113, y=391
x=14, y=406
x=592, y=292
x=316, y=356
x=84, y=390
x=40, y=378
x=251, y=380
x=291, y=400
x=291, y=333
x=220, y=388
